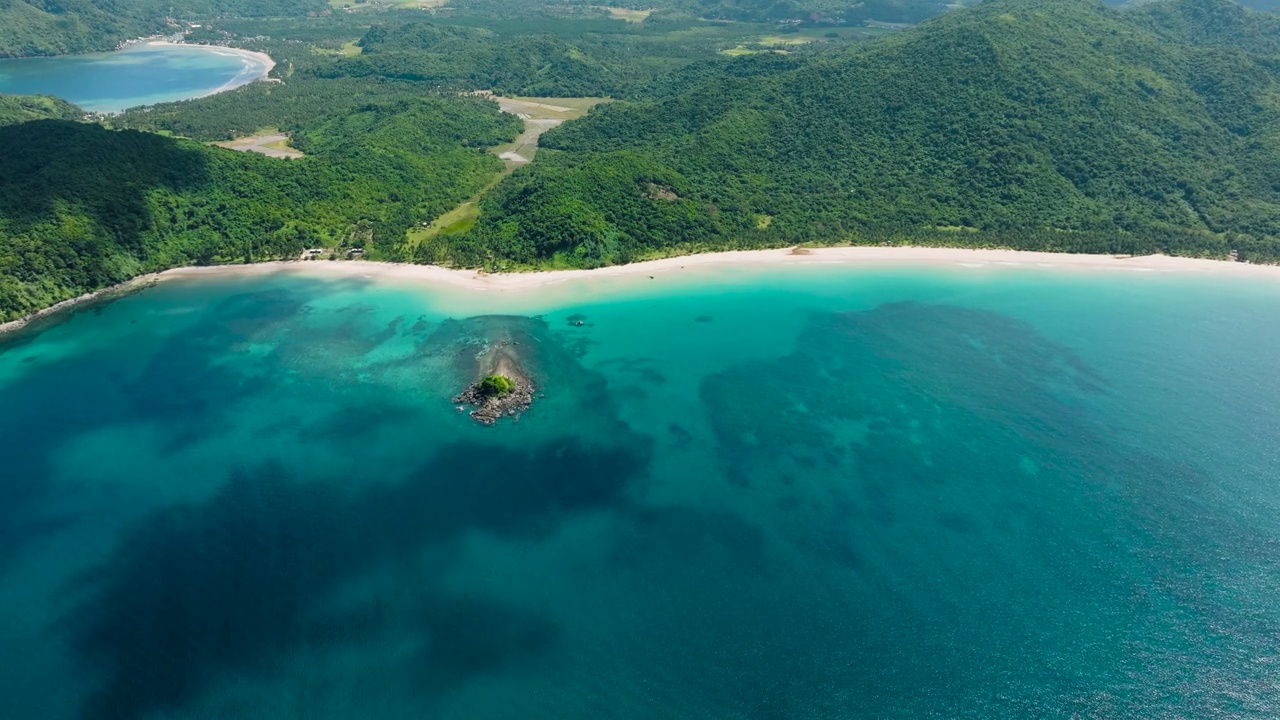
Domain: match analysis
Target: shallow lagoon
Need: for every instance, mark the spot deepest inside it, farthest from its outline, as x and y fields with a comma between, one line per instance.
x=142, y=74
x=804, y=492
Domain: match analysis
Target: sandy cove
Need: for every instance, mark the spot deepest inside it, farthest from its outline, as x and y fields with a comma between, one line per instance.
x=862, y=257
x=260, y=62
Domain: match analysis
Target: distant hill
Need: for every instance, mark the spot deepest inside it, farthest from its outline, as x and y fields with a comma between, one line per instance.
x=1039, y=124
x=1213, y=23
x=21, y=108
x=849, y=11
x=55, y=27
x=1267, y=5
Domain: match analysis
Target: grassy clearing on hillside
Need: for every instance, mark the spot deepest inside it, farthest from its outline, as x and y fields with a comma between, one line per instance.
x=634, y=16
x=796, y=39
x=775, y=42
x=540, y=114
x=1043, y=124
x=353, y=5
x=742, y=50
x=553, y=108
x=459, y=219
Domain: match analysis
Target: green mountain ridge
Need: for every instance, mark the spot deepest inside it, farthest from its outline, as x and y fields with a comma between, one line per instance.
x=1061, y=125
x=59, y=27
x=22, y=108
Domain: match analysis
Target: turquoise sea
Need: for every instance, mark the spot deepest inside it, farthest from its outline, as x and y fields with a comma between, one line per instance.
x=142, y=74
x=803, y=492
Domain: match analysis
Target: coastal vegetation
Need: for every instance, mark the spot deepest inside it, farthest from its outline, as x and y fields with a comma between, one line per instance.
x=42, y=27
x=405, y=54
x=21, y=108
x=82, y=207
x=1062, y=125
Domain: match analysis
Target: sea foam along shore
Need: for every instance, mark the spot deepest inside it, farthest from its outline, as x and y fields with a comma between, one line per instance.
x=868, y=257
x=257, y=65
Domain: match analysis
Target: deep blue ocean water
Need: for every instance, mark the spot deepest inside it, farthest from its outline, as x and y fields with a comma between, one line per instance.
x=141, y=74
x=809, y=492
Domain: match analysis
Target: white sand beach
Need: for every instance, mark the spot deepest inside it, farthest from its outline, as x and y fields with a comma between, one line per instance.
x=257, y=65
x=853, y=256
x=689, y=268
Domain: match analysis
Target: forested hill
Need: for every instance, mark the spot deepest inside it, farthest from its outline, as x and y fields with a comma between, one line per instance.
x=55, y=27
x=1045, y=124
x=1215, y=23
x=82, y=207
x=21, y=108
x=852, y=11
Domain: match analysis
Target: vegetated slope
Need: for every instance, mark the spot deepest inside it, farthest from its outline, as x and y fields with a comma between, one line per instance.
x=1212, y=23
x=404, y=56
x=470, y=58
x=54, y=27
x=551, y=57
x=1267, y=5
x=82, y=207
x=21, y=108
x=898, y=11
x=1039, y=124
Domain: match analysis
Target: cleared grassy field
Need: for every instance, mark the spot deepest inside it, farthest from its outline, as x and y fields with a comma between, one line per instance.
x=353, y=5
x=741, y=50
x=776, y=42
x=635, y=16
x=557, y=108
x=269, y=142
x=789, y=39
x=540, y=115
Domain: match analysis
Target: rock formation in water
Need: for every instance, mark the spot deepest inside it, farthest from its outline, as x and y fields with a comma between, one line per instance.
x=504, y=386
x=498, y=395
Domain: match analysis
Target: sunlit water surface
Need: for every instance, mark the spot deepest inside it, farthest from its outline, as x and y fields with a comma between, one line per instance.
x=814, y=492
x=141, y=74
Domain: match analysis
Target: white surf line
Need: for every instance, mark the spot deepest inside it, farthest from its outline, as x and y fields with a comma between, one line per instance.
x=256, y=65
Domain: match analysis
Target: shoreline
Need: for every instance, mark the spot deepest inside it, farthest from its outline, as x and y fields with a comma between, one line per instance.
x=249, y=57
x=852, y=256
x=857, y=256
x=255, y=66
x=80, y=302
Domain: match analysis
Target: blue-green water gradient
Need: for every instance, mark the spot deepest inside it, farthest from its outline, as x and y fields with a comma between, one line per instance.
x=809, y=492
x=142, y=74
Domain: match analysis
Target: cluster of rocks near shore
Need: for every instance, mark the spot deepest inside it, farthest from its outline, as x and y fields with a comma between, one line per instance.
x=490, y=408
x=506, y=348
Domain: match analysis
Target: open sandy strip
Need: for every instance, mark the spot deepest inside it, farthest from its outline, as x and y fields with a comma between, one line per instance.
x=852, y=256
x=262, y=144
x=526, y=145
x=257, y=64
x=687, y=266
x=515, y=106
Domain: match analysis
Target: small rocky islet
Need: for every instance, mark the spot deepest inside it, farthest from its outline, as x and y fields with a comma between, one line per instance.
x=497, y=396
x=504, y=387
x=543, y=365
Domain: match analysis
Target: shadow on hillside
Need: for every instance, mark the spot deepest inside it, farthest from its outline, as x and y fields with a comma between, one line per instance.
x=107, y=175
